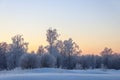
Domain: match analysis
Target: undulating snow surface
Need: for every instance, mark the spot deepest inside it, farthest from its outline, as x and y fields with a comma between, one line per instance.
x=59, y=74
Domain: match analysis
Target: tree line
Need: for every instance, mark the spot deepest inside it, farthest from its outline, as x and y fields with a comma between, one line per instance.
x=57, y=54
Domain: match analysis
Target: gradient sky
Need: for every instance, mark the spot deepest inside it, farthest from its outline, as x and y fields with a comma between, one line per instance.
x=93, y=24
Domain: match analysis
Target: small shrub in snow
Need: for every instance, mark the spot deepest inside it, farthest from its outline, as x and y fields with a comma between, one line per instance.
x=47, y=60
x=29, y=61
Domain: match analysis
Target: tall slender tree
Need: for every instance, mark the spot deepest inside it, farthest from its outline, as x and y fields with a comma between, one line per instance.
x=52, y=36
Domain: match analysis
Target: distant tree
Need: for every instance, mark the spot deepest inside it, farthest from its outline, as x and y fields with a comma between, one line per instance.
x=106, y=56
x=29, y=61
x=70, y=49
x=114, y=61
x=48, y=60
x=17, y=49
x=98, y=61
x=3, y=52
x=52, y=36
x=59, y=53
x=52, y=48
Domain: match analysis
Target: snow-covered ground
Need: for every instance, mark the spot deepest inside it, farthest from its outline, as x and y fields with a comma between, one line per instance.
x=59, y=74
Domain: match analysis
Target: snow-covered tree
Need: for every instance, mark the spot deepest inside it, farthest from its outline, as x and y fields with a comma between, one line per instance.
x=114, y=61
x=52, y=48
x=106, y=56
x=70, y=49
x=3, y=51
x=52, y=36
x=29, y=61
x=58, y=53
x=47, y=60
x=106, y=52
x=17, y=49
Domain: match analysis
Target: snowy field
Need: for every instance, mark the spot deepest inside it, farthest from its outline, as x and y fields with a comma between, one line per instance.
x=59, y=74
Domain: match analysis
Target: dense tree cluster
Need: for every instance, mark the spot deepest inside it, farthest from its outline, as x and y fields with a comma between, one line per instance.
x=58, y=54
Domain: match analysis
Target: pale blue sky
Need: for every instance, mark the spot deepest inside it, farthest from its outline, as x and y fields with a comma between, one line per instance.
x=93, y=24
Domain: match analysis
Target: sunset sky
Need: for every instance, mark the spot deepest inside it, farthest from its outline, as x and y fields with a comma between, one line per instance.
x=93, y=24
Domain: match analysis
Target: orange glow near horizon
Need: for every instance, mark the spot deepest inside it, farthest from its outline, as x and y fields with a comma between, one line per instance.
x=92, y=46
x=87, y=46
